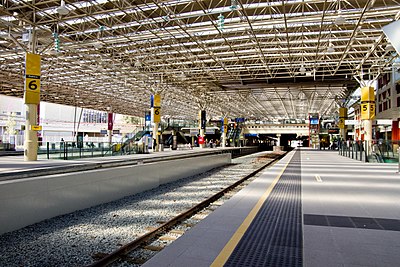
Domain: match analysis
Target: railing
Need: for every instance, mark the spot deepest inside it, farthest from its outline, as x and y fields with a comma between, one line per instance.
x=4, y=146
x=371, y=151
x=73, y=150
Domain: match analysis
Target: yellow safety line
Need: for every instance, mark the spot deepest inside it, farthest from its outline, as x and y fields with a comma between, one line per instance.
x=226, y=252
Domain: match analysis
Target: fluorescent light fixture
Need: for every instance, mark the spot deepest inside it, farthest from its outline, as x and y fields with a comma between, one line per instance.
x=302, y=69
x=98, y=45
x=138, y=63
x=62, y=10
x=330, y=48
x=340, y=20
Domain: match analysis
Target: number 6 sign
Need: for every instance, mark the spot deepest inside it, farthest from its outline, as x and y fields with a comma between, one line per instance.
x=32, y=79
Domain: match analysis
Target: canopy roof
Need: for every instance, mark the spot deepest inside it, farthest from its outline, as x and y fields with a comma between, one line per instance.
x=269, y=59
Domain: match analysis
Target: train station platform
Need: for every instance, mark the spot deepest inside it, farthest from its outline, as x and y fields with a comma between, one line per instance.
x=34, y=191
x=14, y=167
x=312, y=208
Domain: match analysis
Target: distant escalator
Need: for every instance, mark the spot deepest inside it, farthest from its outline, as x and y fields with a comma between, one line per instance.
x=180, y=139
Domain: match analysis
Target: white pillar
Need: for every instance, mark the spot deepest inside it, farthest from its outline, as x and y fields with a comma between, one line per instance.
x=278, y=143
x=223, y=139
x=31, y=100
x=368, y=135
x=31, y=140
x=202, y=135
x=343, y=134
x=155, y=136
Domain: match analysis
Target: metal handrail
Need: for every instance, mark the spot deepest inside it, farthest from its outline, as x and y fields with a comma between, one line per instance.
x=69, y=150
x=375, y=150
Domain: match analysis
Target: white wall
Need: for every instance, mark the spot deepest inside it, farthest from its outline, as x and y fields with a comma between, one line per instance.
x=27, y=201
x=11, y=104
x=58, y=120
x=50, y=111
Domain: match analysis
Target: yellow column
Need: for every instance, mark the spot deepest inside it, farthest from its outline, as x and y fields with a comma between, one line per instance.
x=341, y=124
x=31, y=100
x=225, y=123
x=156, y=112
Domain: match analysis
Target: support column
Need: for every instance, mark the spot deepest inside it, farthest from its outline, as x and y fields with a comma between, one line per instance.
x=31, y=100
x=368, y=130
x=367, y=114
x=155, y=137
x=110, y=127
x=31, y=140
x=156, y=119
x=224, y=131
x=202, y=137
x=341, y=124
x=278, y=146
x=201, y=140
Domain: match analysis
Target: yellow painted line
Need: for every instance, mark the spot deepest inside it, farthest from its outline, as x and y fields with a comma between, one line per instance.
x=318, y=178
x=226, y=252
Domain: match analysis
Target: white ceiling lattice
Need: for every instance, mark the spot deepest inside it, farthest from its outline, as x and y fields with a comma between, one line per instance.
x=270, y=60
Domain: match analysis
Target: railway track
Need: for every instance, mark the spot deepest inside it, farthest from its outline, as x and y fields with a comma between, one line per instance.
x=142, y=248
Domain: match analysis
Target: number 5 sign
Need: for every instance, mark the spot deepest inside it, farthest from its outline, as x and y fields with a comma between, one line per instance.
x=32, y=79
x=367, y=103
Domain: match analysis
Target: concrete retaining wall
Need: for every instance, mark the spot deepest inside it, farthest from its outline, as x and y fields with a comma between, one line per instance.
x=27, y=201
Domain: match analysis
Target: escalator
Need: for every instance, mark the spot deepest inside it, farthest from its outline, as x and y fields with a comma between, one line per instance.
x=236, y=136
x=129, y=146
x=180, y=139
x=383, y=152
x=233, y=136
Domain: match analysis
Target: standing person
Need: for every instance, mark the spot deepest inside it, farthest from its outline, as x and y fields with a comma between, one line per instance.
x=154, y=144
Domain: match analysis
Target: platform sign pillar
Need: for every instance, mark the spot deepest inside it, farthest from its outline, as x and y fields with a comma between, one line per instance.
x=367, y=113
x=202, y=124
x=224, y=130
x=110, y=125
x=341, y=123
x=155, y=104
x=31, y=100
